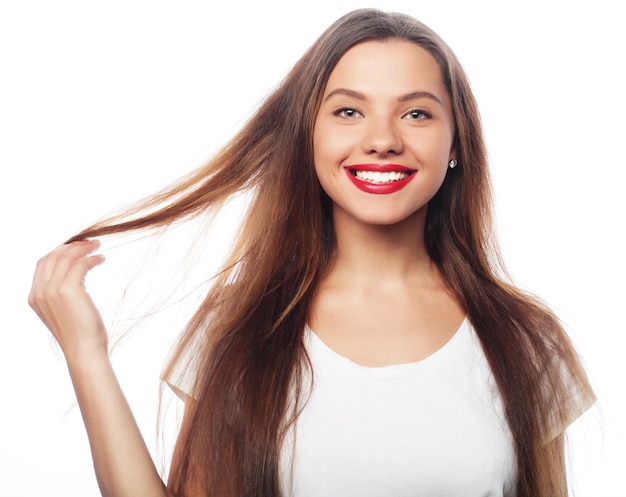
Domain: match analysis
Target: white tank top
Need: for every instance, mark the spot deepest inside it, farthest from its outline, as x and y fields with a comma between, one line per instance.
x=433, y=428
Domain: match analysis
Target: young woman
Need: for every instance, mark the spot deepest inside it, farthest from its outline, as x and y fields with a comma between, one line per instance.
x=362, y=339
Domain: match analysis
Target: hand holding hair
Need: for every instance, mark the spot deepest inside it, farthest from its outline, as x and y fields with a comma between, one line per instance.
x=60, y=299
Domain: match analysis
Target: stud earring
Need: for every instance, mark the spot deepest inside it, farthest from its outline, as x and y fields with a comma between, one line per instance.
x=452, y=164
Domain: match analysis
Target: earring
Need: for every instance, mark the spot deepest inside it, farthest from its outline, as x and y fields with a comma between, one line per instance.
x=452, y=164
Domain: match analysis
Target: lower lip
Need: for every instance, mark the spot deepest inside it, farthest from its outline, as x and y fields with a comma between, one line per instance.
x=379, y=188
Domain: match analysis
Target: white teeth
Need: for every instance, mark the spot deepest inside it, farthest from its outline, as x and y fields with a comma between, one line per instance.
x=379, y=178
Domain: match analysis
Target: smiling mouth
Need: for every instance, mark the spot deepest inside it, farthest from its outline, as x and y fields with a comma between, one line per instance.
x=380, y=178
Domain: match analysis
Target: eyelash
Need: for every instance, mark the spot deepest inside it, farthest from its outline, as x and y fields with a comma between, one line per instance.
x=423, y=114
x=341, y=112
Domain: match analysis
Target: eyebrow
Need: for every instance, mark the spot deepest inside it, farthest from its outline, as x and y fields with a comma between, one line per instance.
x=404, y=98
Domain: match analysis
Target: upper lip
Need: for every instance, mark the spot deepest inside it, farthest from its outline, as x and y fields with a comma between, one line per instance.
x=381, y=168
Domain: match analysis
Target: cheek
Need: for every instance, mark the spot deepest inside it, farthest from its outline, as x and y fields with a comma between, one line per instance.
x=325, y=152
x=331, y=144
x=434, y=149
x=319, y=153
x=326, y=160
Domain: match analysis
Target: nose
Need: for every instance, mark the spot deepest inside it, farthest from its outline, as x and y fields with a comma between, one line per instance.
x=382, y=138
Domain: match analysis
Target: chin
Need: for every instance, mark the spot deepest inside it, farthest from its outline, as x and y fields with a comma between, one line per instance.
x=378, y=214
x=379, y=219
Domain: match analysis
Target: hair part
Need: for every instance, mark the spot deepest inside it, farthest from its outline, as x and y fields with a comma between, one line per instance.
x=251, y=323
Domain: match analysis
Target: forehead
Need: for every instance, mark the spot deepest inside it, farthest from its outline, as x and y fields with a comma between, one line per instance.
x=390, y=67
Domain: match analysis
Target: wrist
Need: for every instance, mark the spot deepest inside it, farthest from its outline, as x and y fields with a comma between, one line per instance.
x=86, y=359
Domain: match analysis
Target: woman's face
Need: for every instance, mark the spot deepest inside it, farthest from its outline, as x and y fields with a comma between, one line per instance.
x=383, y=135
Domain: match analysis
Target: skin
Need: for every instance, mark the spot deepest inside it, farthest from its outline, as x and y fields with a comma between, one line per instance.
x=385, y=102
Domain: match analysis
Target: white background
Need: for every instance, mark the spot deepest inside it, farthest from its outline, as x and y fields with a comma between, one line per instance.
x=103, y=103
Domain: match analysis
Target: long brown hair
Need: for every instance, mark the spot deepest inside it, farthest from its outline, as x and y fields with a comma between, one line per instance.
x=250, y=325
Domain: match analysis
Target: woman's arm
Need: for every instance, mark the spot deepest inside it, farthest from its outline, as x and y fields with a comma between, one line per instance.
x=121, y=459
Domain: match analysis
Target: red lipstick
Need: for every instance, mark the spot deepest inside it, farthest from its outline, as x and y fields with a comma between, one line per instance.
x=379, y=179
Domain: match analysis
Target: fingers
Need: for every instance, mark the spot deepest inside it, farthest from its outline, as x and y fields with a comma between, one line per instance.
x=63, y=270
x=58, y=262
x=48, y=263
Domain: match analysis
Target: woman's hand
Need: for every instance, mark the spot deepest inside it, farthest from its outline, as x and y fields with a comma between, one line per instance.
x=59, y=297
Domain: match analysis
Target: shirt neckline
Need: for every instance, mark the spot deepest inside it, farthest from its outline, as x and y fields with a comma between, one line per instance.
x=318, y=348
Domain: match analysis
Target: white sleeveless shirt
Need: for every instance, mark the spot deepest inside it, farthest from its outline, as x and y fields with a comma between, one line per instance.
x=433, y=428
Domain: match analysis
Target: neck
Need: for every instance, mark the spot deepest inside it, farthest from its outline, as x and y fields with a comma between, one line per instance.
x=374, y=254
